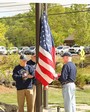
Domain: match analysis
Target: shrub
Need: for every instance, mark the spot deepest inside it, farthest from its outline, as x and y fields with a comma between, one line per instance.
x=80, y=79
x=87, y=79
x=6, y=66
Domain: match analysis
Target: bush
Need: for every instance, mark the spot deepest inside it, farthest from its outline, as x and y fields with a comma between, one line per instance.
x=80, y=79
x=87, y=79
x=6, y=67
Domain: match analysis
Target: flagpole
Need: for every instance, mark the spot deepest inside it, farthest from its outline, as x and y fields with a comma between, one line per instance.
x=39, y=85
x=45, y=91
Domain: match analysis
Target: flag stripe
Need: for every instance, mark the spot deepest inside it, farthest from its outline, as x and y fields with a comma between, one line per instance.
x=44, y=76
x=46, y=72
x=45, y=53
x=40, y=78
x=46, y=60
x=47, y=66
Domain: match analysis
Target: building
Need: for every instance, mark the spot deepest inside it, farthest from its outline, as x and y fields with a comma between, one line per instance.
x=69, y=41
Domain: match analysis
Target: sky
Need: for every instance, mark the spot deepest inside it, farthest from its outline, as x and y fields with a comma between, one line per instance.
x=13, y=7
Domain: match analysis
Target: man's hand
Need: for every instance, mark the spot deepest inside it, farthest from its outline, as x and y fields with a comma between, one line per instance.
x=29, y=76
x=24, y=76
x=58, y=75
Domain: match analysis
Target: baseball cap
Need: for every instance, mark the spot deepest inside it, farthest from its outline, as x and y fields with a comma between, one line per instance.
x=67, y=54
x=23, y=57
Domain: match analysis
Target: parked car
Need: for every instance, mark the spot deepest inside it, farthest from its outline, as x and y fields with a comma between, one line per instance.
x=58, y=49
x=22, y=49
x=76, y=49
x=13, y=50
x=3, y=50
x=87, y=50
x=31, y=50
x=62, y=49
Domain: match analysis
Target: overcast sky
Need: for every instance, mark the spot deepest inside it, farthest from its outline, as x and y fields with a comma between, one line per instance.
x=13, y=7
x=50, y=1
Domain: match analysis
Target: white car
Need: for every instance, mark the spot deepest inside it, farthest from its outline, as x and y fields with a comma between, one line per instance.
x=62, y=49
x=30, y=50
x=3, y=50
x=22, y=49
x=76, y=49
x=13, y=50
x=58, y=49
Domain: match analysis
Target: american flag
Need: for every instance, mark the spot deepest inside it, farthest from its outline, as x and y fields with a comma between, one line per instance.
x=45, y=69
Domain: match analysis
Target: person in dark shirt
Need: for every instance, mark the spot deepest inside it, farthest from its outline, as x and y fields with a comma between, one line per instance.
x=23, y=75
x=32, y=62
x=67, y=79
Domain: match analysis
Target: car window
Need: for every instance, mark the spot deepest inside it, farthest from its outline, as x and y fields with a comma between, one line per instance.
x=59, y=47
x=32, y=48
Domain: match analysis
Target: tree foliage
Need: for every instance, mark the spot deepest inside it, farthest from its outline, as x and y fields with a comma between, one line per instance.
x=21, y=28
x=3, y=40
x=77, y=23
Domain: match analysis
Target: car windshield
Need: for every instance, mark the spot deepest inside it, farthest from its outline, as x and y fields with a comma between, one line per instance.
x=60, y=47
x=65, y=47
x=32, y=48
x=76, y=46
x=26, y=48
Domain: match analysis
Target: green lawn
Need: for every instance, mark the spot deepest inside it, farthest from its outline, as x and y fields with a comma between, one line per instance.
x=9, y=98
x=54, y=97
x=82, y=96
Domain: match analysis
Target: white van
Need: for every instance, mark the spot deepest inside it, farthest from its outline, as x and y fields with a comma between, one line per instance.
x=3, y=50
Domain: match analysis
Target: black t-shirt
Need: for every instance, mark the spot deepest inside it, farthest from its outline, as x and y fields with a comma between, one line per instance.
x=17, y=76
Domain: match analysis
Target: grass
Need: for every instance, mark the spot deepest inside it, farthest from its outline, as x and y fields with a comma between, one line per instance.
x=54, y=97
x=9, y=98
x=82, y=96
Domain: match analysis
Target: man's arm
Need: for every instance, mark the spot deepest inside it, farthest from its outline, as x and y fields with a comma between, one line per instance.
x=31, y=72
x=16, y=76
x=64, y=74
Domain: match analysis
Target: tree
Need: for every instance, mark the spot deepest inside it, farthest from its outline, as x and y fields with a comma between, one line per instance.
x=3, y=40
x=81, y=24
x=21, y=28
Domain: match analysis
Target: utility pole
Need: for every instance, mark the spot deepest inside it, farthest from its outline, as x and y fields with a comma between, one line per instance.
x=39, y=85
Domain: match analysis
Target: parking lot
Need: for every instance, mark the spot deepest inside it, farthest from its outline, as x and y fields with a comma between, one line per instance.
x=19, y=50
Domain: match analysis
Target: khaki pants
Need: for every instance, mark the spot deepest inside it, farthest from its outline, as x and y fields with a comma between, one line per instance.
x=34, y=97
x=21, y=96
